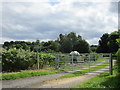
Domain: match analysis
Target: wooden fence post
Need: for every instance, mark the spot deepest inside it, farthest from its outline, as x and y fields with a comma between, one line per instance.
x=72, y=59
x=38, y=59
x=111, y=64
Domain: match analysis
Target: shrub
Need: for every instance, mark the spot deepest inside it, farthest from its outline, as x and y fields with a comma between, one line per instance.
x=46, y=59
x=17, y=59
x=118, y=59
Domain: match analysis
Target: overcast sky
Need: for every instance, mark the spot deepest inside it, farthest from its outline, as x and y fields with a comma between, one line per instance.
x=29, y=21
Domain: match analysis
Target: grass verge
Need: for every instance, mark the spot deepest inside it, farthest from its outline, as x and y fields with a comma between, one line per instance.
x=102, y=81
x=8, y=76
x=78, y=73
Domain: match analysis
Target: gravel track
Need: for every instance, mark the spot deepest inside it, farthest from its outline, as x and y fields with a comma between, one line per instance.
x=37, y=82
x=67, y=82
x=24, y=82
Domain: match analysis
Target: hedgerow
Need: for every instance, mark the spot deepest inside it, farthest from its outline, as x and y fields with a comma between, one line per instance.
x=19, y=59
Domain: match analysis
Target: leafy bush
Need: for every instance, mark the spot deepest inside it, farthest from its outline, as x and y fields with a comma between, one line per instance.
x=17, y=59
x=46, y=59
x=118, y=59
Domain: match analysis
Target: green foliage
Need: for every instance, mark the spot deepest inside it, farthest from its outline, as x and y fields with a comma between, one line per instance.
x=118, y=60
x=72, y=42
x=103, y=47
x=17, y=59
x=78, y=73
x=101, y=81
x=93, y=48
x=108, y=43
x=118, y=41
x=113, y=46
x=8, y=76
x=55, y=46
x=65, y=43
x=46, y=59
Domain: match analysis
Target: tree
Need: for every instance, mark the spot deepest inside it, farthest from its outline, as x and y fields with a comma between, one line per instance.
x=72, y=42
x=81, y=46
x=55, y=46
x=93, y=48
x=65, y=43
x=103, y=44
x=113, y=46
x=108, y=43
x=118, y=54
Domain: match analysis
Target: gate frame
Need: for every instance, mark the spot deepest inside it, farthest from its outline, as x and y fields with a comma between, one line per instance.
x=110, y=62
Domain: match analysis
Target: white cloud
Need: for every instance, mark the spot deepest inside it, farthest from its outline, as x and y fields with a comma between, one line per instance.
x=44, y=20
x=59, y=0
x=5, y=39
x=93, y=40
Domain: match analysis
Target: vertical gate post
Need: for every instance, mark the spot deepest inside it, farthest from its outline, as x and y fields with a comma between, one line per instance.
x=38, y=60
x=72, y=59
x=58, y=61
x=89, y=61
x=111, y=64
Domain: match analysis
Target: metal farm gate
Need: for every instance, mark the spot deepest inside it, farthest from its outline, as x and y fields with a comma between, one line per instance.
x=86, y=62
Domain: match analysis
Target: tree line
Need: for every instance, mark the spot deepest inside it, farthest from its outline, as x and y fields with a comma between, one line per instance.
x=65, y=43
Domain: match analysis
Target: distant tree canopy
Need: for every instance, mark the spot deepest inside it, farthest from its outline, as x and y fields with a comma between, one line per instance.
x=108, y=42
x=20, y=45
x=65, y=43
x=72, y=42
x=93, y=48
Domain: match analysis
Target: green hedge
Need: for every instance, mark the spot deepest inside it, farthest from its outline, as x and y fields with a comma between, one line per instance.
x=19, y=59
x=118, y=60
